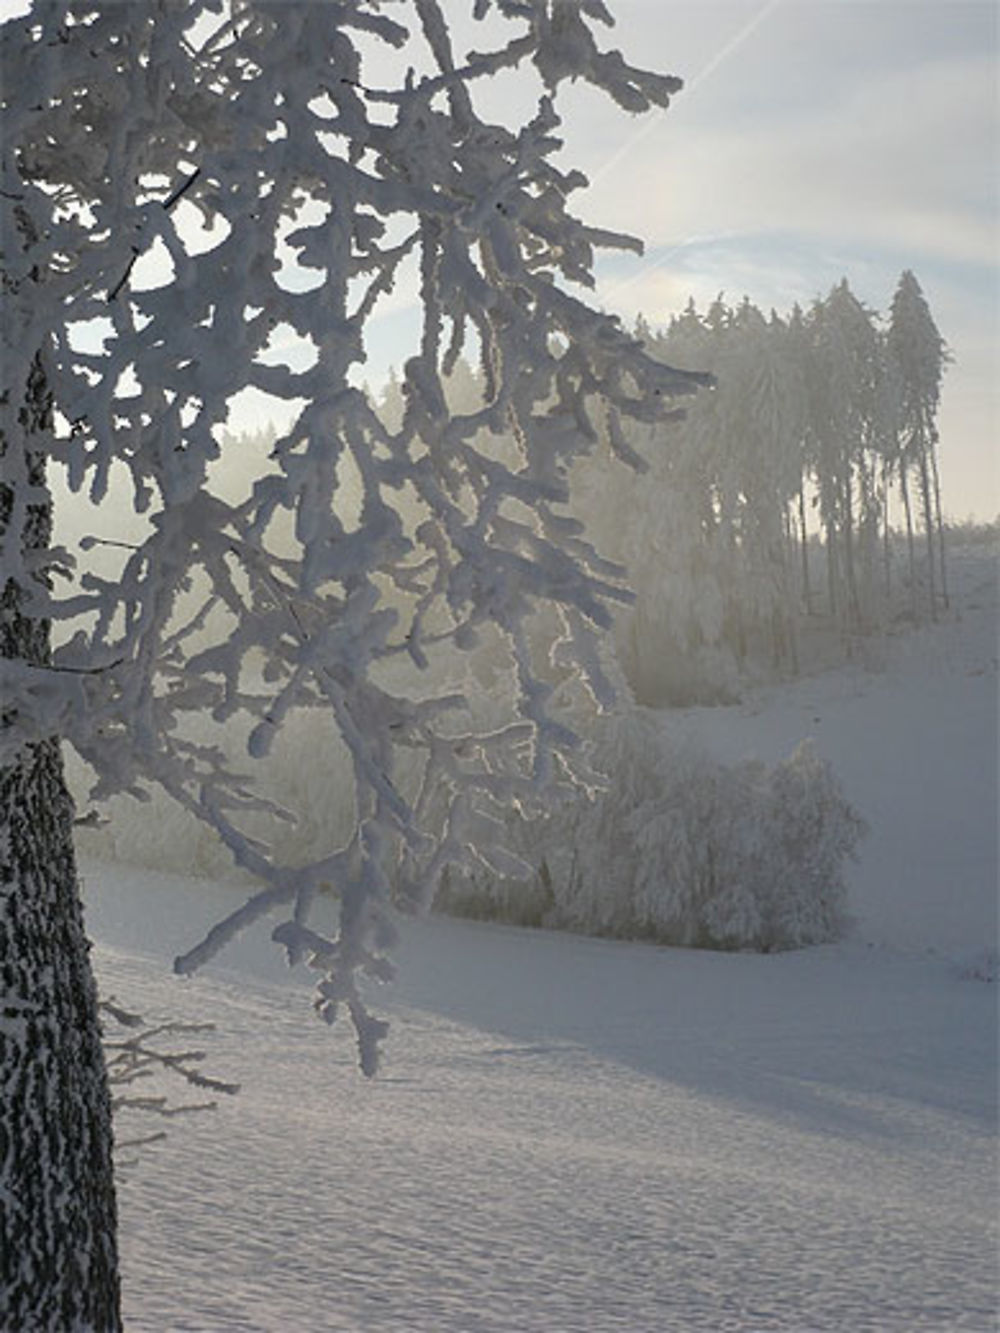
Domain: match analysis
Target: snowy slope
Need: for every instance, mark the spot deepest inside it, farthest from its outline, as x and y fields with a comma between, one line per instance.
x=581, y=1135
x=574, y=1134
x=911, y=731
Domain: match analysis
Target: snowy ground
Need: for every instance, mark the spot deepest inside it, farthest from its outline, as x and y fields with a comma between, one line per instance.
x=574, y=1134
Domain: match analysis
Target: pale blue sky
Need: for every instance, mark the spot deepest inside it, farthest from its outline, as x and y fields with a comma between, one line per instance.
x=817, y=139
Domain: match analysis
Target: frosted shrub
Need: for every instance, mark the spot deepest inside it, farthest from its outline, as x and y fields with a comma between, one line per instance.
x=813, y=831
x=668, y=844
x=682, y=849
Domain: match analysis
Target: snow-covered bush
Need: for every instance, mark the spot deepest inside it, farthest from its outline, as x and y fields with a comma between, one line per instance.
x=682, y=849
x=812, y=832
x=668, y=843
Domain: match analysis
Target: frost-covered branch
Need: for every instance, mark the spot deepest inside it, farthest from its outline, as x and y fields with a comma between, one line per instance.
x=137, y=1058
x=265, y=198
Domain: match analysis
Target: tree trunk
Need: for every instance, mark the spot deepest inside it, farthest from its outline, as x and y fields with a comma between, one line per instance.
x=832, y=566
x=852, y=610
x=908, y=511
x=925, y=495
x=789, y=603
x=886, y=537
x=940, y=521
x=869, y=535
x=58, y=1257
x=806, y=590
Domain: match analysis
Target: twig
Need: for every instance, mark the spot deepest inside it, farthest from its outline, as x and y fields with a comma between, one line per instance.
x=168, y=204
x=182, y=189
x=138, y=1056
x=125, y=276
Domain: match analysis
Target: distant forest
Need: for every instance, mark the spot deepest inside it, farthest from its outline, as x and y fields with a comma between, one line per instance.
x=772, y=507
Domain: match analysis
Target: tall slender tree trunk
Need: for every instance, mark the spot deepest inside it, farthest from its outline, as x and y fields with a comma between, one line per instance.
x=58, y=1257
x=925, y=495
x=852, y=609
x=788, y=607
x=869, y=523
x=806, y=590
x=943, y=566
x=832, y=566
x=904, y=487
x=886, y=537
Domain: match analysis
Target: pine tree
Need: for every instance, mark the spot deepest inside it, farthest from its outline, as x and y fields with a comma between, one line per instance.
x=674, y=546
x=797, y=352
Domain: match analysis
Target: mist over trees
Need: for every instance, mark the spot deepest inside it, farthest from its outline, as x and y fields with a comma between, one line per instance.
x=799, y=497
x=771, y=512
x=761, y=538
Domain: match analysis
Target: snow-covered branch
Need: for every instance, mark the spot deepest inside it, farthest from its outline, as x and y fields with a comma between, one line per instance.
x=201, y=187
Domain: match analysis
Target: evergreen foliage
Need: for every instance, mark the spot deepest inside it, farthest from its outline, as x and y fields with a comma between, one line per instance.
x=918, y=357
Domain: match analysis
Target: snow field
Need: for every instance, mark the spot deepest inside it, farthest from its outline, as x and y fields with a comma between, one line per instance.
x=583, y=1135
x=911, y=732
x=487, y=1184
x=579, y=1135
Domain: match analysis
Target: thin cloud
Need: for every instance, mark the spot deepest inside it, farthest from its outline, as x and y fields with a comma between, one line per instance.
x=900, y=164
x=652, y=123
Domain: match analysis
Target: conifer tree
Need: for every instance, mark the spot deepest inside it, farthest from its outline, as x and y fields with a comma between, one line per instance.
x=844, y=364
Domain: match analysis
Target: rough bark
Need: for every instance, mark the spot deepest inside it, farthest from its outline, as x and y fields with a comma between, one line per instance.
x=58, y=1257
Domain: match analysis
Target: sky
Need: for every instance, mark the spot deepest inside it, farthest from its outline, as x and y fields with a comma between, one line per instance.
x=814, y=140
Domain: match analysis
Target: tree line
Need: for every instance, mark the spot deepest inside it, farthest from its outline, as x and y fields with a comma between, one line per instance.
x=791, y=483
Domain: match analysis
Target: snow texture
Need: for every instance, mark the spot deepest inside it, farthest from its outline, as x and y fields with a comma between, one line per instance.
x=584, y=1135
